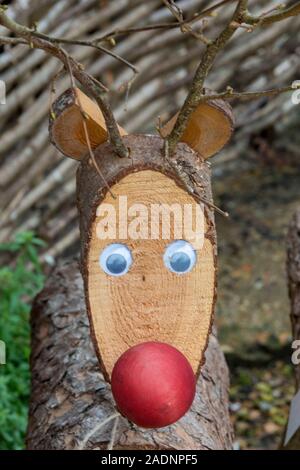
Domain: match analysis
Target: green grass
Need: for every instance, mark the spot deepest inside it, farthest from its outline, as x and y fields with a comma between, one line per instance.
x=18, y=285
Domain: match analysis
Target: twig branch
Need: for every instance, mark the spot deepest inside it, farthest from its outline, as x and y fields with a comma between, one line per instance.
x=97, y=90
x=192, y=186
x=74, y=42
x=86, y=132
x=162, y=26
x=282, y=14
x=210, y=10
x=230, y=94
x=12, y=41
x=196, y=90
x=184, y=26
x=196, y=93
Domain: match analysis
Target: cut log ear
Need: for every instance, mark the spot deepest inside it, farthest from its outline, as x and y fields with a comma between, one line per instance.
x=209, y=127
x=66, y=124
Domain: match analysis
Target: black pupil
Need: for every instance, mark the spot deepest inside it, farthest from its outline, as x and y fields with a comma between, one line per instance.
x=180, y=262
x=116, y=264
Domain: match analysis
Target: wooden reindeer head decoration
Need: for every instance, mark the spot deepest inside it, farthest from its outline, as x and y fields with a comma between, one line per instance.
x=141, y=288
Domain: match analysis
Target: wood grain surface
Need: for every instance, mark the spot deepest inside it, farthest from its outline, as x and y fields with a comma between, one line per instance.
x=150, y=303
x=209, y=128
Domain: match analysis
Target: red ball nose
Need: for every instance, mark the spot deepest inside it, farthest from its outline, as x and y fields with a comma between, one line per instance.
x=153, y=384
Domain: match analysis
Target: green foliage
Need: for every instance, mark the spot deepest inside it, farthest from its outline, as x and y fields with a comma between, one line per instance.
x=19, y=283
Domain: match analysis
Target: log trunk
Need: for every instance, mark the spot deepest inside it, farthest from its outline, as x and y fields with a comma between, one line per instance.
x=69, y=396
x=293, y=272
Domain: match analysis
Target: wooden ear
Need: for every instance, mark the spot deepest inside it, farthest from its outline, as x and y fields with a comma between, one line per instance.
x=209, y=127
x=66, y=124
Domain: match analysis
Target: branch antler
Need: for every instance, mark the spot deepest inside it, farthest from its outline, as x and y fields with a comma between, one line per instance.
x=92, y=86
x=196, y=95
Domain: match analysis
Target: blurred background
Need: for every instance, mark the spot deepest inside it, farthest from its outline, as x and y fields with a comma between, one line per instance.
x=255, y=178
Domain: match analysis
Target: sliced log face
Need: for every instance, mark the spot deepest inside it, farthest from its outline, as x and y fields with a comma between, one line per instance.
x=149, y=302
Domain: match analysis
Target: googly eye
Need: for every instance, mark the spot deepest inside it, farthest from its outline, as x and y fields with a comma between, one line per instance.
x=115, y=259
x=180, y=257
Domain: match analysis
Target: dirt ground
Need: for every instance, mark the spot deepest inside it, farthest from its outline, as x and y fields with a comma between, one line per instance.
x=253, y=305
